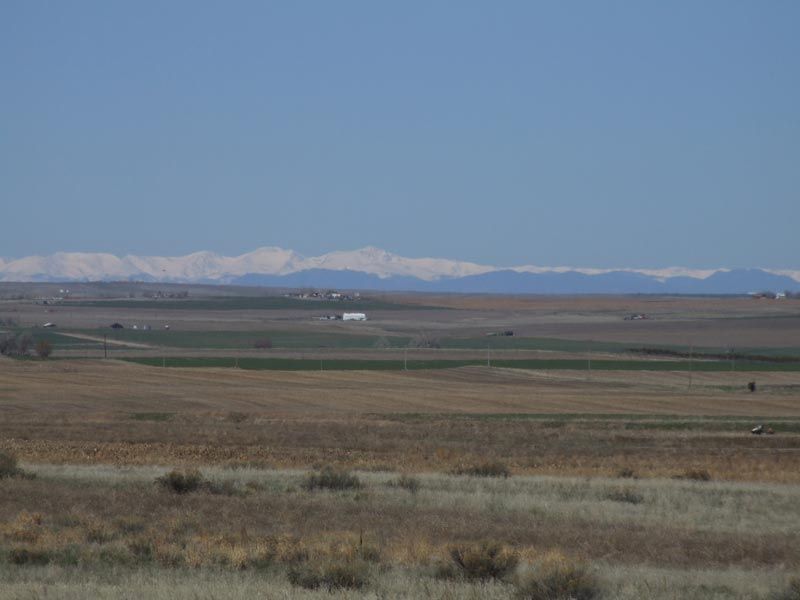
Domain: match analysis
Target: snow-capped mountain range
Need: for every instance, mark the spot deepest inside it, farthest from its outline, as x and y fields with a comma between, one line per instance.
x=208, y=266
x=373, y=268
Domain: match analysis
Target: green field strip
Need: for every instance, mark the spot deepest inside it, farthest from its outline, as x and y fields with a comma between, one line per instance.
x=292, y=364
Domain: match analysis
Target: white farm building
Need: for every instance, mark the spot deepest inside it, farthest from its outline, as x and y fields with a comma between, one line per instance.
x=354, y=317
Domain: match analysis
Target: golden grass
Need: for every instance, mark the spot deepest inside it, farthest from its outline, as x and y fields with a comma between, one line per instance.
x=94, y=386
x=137, y=523
x=85, y=412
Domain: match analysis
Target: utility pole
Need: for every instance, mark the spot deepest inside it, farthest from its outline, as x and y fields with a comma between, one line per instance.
x=589, y=361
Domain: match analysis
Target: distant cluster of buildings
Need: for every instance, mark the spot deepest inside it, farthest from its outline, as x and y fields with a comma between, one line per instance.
x=637, y=317
x=351, y=316
x=158, y=294
x=768, y=295
x=329, y=295
x=142, y=327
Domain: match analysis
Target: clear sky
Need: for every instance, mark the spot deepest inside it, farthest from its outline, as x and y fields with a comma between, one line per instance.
x=598, y=134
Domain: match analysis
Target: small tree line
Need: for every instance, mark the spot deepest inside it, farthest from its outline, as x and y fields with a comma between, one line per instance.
x=22, y=344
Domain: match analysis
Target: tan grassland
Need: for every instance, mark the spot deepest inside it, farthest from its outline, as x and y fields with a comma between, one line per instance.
x=648, y=480
x=119, y=413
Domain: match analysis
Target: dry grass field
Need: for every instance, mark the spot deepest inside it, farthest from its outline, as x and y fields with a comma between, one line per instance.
x=473, y=482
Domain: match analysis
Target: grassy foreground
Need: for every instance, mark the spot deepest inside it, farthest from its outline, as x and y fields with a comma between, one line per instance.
x=244, y=533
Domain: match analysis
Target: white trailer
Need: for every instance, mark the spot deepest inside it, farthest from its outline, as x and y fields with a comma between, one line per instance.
x=354, y=317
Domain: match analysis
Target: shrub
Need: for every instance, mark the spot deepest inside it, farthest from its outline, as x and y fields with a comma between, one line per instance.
x=8, y=465
x=115, y=554
x=141, y=548
x=263, y=344
x=790, y=592
x=695, y=475
x=407, y=482
x=236, y=417
x=28, y=556
x=332, y=575
x=425, y=340
x=68, y=556
x=625, y=495
x=9, y=468
x=558, y=579
x=24, y=343
x=15, y=344
x=331, y=479
x=26, y=527
x=168, y=554
x=627, y=473
x=8, y=345
x=222, y=488
x=486, y=560
x=44, y=348
x=98, y=532
x=181, y=482
x=129, y=525
x=486, y=469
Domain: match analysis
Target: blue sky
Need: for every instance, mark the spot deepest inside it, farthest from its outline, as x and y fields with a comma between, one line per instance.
x=632, y=134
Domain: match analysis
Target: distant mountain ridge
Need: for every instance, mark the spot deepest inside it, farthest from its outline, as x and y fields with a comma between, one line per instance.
x=375, y=269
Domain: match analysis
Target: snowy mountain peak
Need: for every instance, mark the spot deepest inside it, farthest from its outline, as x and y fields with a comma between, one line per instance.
x=206, y=266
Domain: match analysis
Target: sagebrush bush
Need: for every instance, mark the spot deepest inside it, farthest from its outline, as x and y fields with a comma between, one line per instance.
x=141, y=547
x=695, y=475
x=181, y=482
x=331, y=479
x=625, y=495
x=485, y=469
x=128, y=525
x=485, y=560
x=29, y=556
x=98, y=532
x=790, y=592
x=26, y=527
x=8, y=465
x=627, y=473
x=407, y=482
x=223, y=488
x=557, y=579
x=331, y=575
